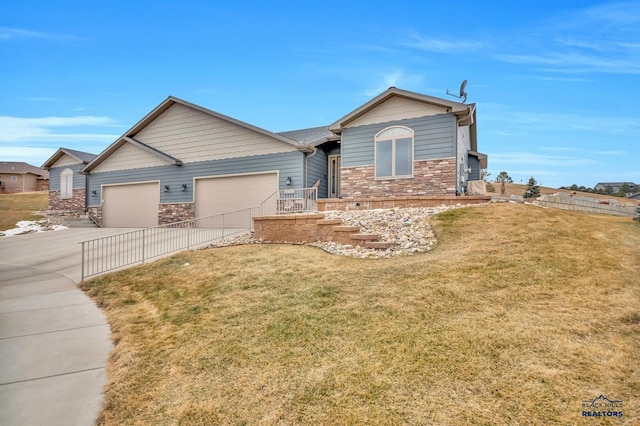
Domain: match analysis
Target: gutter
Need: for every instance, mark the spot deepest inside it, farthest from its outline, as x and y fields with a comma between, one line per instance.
x=306, y=165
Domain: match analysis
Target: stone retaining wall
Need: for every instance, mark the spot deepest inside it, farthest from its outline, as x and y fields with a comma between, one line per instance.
x=400, y=202
x=287, y=227
x=585, y=204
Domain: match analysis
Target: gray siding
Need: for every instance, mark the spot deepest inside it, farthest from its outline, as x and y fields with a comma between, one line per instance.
x=434, y=138
x=474, y=163
x=289, y=164
x=317, y=170
x=79, y=181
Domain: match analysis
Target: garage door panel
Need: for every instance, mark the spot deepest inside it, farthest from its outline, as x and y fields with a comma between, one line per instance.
x=131, y=206
x=225, y=194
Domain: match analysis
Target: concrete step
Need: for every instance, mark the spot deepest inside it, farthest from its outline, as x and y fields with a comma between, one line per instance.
x=82, y=222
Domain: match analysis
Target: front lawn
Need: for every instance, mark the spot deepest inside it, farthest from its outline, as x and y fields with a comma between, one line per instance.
x=517, y=316
x=17, y=207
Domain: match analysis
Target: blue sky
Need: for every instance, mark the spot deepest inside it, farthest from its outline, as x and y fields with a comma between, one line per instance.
x=555, y=83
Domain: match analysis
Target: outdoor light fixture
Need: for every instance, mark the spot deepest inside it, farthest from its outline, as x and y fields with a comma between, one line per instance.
x=166, y=188
x=94, y=193
x=184, y=186
x=288, y=181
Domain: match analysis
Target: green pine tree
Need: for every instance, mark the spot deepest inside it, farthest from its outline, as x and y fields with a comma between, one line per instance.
x=533, y=189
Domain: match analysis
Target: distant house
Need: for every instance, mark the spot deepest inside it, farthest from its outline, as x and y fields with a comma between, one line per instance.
x=182, y=161
x=68, y=189
x=635, y=196
x=615, y=186
x=18, y=176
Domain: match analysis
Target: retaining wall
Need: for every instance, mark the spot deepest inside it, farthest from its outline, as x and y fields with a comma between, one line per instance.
x=586, y=204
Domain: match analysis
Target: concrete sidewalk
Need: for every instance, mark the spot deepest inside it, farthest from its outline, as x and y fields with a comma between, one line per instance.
x=54, y=341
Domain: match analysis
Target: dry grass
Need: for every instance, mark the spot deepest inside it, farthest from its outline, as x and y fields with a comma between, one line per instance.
x=517, y=189
x=17, y=207
x=517, y=316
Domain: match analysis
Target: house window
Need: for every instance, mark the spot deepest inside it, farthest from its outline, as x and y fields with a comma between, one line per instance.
x=66, y=183
x=394, y=152
x=14, y=178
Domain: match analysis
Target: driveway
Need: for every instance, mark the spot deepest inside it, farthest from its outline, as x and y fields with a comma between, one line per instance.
x=54, y=341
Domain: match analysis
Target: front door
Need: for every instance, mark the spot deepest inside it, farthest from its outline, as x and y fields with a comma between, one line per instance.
x=334, y=176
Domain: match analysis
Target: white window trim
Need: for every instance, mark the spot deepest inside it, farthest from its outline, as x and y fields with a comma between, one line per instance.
x=66, y=174
x=14, y=178
x=393, y=153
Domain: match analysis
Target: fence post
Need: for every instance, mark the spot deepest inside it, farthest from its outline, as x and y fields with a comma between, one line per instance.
x=143, y=244
x=82, y=265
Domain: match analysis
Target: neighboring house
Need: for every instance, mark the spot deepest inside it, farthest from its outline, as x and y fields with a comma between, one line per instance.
x=615, y=186
x=183, y=161
x=635, y=196
x=17, y=176
x=67, y=191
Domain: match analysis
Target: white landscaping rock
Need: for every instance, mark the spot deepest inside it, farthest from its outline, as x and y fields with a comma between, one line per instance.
x=29, y=226
x=407, y=227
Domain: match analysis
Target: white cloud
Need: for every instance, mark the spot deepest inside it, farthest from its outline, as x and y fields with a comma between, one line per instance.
x=7, y=33
x=396, y=78
x=47, y=129
x=442, y=45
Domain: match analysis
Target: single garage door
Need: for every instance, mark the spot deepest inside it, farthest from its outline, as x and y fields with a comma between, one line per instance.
x=131, y=206
x=225, y=194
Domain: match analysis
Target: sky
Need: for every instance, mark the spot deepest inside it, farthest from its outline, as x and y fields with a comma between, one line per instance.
x=555, y=83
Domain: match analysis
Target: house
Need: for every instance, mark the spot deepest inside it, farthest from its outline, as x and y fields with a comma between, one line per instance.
x=182, y=161
x=68, y=186
x=615, y=186
x=635, y=196
x=18, y=176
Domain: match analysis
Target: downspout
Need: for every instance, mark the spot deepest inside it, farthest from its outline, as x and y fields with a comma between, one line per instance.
x=306, y=165
x=86, y=193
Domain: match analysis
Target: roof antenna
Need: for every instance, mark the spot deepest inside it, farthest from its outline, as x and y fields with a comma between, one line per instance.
x=462, y=95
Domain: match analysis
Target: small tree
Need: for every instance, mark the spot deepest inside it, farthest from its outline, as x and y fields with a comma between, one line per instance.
x=533, y=189
x=625, y=189
x=637, y=216
x=503, y=177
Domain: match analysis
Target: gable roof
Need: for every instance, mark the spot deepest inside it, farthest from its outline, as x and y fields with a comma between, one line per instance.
x=81, y=156
x=128, y=137
x=312, y=136
x=457, y=108
x=22, y=168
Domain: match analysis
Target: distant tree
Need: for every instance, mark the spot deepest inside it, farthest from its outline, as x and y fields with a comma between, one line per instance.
x=625, y=189
x=533, y=189
x=574, y=187
x=484, y=174
x=504, y=177
x=608, y=190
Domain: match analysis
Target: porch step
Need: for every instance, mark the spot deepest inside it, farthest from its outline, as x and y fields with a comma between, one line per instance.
x=80, y=222
x=345, y=228
x=329, y=222
x=379, y=245
x=364, y=237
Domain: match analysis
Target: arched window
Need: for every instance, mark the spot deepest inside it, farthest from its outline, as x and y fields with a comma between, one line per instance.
x=394, y=152
x=66, y=183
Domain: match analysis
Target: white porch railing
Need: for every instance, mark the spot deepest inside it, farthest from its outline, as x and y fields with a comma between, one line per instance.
x=290, y=201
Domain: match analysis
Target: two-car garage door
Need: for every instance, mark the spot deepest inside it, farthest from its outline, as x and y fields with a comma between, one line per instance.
x=130, y=206
x=229, y=193
x=136, y=205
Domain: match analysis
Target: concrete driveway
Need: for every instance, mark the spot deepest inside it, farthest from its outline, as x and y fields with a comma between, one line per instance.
x=54, y=341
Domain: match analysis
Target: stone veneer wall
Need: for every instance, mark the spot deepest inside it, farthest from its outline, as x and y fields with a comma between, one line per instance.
x=430, y=177
x=96, y=214
x=68, y=206
x=170, y=213
x=167, y=213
